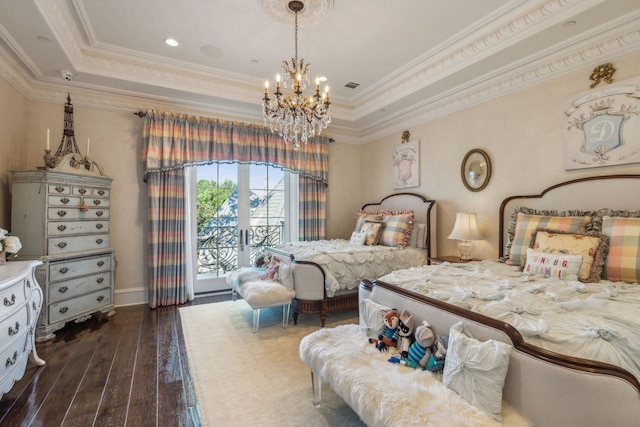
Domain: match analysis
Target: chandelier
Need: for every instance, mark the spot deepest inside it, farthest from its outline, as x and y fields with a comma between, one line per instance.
x=295, y=117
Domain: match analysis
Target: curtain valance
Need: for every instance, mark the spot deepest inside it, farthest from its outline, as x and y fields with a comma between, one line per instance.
x=173, y=141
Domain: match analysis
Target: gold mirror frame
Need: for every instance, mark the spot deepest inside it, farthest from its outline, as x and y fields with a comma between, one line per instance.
x=476, y=170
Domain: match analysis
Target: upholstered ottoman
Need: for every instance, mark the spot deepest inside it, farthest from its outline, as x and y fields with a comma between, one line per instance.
x=265, y=293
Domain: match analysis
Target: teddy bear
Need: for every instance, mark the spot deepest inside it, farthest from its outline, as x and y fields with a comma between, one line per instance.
x=405, y=334
x=437, y=358
x=389, y=335
x=420, y=350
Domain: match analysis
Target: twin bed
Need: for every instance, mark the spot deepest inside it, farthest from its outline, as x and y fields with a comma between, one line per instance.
x=327, y=274
x=575, y=336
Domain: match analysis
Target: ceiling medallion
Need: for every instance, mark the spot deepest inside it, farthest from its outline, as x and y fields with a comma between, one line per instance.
x=294, y=117
x=313, y=11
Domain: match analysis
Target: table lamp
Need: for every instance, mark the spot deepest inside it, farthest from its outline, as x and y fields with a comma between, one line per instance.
x=465, y=230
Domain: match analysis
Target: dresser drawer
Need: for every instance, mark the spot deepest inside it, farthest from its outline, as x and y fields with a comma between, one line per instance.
x=59, y=189
x=78, y=286
x=96, y=202
x=76, y=213
x=74, y=307
x=77, y=227
x=89, y=191
x=65, y=245
x=65, y=270
x=65, y=201
x=13, y=325
x=13, y=296
x=14, y=357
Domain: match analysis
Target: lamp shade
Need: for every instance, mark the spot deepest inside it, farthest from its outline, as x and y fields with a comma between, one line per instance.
x=466, y=227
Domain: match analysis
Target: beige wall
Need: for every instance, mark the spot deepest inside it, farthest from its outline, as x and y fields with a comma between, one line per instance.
x=523, y=134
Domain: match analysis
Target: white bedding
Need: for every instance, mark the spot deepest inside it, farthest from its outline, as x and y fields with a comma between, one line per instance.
x=345, y=264
x=597, y=321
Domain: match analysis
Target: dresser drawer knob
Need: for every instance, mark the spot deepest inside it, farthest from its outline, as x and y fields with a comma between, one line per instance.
x=96, y=202
x=63, y=289
x=100, y=263
x=63, y=310
x=64, y=200
x=100, y=298
x=14, y=331
x=11, y=361
x=64, y=270
x=99, y=241
x=99, y=213
x=59, y=189
x=99, y=226
x=62, y=213
x=9, y=303
x=62, y=245
x=62, y=227
x=100, y=279
x=82, y=190
x=101, y=192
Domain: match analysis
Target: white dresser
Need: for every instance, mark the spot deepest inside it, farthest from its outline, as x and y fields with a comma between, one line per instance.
x=21, y=302
x=63, y=219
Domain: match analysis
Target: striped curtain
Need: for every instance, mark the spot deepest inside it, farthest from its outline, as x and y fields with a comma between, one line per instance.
x=313, y=197
x=175, y=141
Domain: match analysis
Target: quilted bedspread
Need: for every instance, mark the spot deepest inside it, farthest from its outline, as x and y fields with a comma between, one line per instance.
x=345, y=264
x=597, y=321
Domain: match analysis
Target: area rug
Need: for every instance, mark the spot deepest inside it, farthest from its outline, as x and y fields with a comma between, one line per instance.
x=247, y=379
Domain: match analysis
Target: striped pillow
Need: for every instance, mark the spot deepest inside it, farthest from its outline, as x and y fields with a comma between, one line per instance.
x=397, y=228
x=526, y=224
x=623, y=260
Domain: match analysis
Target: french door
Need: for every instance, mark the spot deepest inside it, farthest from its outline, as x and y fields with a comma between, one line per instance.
x=240, y=209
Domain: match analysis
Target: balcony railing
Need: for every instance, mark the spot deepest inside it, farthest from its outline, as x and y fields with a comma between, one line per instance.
x=218, y=246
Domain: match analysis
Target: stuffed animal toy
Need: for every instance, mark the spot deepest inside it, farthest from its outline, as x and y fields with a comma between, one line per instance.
x=405, y=333
x=272, y=269
x=389, y=335
x=420, y=350
x=437, y=359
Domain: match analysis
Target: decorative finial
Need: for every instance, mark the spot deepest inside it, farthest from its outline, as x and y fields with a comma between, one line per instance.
x=602, y=72
x=406, y=136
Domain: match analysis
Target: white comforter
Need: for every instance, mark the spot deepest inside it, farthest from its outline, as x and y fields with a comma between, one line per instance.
x=345, y=264
x=597, y=321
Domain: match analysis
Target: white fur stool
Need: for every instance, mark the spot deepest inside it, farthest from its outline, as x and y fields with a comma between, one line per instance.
x=265, y=293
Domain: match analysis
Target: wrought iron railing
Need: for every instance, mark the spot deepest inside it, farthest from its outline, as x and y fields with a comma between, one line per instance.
x=218, y=246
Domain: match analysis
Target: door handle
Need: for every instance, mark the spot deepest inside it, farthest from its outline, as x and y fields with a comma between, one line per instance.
x=241, y=241
x=246, y=237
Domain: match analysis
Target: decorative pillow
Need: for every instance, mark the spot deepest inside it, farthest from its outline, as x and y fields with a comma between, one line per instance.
x=593, y=249
x=272, y=269
x=372, y=230
x=526, y=224
x=476, y=370
x=397, y=227
x=561, y=266
x=363, y=216
x=417, y=236
x=372, y=317
x=622, y=263
x=285, y=275
x=358, y=238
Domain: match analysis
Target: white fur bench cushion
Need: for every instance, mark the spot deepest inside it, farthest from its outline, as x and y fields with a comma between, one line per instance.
x=265, y=293
x=387, y=394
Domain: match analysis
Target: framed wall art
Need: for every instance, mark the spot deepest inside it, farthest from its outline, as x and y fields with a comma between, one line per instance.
x=602, y=126
x=406, y=165
x=475, y=170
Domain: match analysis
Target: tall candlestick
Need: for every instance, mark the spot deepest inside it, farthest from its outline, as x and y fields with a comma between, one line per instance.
x=88, y=143
x=48, y=148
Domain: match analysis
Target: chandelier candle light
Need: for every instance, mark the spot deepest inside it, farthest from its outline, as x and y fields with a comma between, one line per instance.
x=295, y=117
x=465, y=230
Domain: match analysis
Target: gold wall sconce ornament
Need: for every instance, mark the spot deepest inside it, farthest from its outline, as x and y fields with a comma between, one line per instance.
x=602, y=72
x=406, y=136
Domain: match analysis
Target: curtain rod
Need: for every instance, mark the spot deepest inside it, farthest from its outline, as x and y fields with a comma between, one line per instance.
x=142, y=114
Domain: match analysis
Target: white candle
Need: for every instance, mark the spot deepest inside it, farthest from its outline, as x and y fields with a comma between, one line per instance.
x=88, y=143
x=48, y=148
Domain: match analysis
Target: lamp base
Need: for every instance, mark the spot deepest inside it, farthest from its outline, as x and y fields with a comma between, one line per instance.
x=466, y=247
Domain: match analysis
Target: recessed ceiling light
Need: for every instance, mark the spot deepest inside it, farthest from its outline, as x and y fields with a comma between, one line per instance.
x=43, y=39
x=569, y=23
x=171, y=42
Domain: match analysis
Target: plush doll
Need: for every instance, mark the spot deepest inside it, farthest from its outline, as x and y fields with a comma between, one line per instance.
x=420, y=349
x=272, y=269
x=405, y=334
x=437, y=359
x=389, y=335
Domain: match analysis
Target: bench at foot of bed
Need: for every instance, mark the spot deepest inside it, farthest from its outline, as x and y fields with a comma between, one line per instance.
x=384, y=393
x=324, y=306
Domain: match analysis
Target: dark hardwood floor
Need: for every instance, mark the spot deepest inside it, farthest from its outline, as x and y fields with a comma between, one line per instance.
x=128, y=370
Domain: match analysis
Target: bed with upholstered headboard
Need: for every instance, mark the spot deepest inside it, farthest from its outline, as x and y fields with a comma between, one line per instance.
x=396, y=232
x=564, y=295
